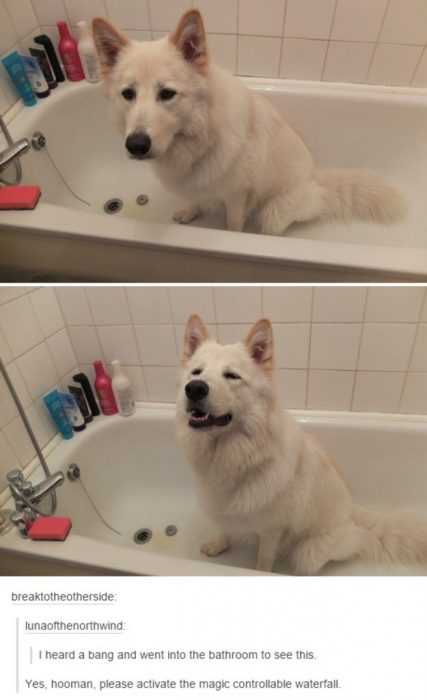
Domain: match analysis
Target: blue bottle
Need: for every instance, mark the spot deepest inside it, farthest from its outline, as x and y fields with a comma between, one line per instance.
x=56, y=409
x=15, y=67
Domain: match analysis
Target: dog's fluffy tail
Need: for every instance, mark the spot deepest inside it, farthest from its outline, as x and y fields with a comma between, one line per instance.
x=399, y=538
x=361, y=194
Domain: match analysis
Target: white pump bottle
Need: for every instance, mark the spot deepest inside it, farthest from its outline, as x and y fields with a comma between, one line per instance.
x=88, y=54
x=122, y=389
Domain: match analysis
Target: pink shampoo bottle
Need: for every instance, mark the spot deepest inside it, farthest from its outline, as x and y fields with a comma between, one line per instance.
x=69, y=53
x=104, y=390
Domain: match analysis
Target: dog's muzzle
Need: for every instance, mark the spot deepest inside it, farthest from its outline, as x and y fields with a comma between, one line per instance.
x=197, y=391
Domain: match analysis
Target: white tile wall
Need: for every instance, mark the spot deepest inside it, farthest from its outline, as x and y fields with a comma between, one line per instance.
x=18, y=23
x=259, y=56
x=292, y=385
x=119, y=341
x=308, y=19
x=330, y=390
x=348, y=61
x=405, y=22
x=378, y=391
x=386, y=346
x=373, y=41
x=394, y=64
x=35, y=346
x=358, y=21
x=303, y=59
x=129, y=14
x=262, y=19
x=414, y=399
x=334, y=346
x=338, y=348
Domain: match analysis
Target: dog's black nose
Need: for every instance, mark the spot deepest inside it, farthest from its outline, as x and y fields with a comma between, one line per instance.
x=196, y=390
x=138, y=144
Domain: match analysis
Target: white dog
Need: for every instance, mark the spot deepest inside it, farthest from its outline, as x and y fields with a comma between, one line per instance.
x=215, y=143
x=259, y=473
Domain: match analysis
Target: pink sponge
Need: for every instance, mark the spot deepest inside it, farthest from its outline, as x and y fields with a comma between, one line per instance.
x=19, y=196
x=49, y=528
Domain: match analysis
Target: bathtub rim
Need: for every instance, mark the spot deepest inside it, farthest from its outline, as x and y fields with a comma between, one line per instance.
x=406, y=422
x=398, y=262
x=190, y=240
x=80, y=551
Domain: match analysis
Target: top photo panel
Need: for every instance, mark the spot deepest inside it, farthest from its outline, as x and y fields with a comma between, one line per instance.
x=219, y=141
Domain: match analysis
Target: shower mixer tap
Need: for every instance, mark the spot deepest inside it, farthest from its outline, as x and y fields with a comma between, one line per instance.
x=27, y=496
x=12, y=154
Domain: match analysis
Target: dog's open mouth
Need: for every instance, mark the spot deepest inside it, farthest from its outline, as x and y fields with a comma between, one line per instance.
x=199, y=419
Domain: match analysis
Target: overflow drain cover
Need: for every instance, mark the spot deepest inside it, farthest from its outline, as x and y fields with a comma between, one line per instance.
x=171, y=530
x=113, y=206
x=142, y=536
x=142, y=199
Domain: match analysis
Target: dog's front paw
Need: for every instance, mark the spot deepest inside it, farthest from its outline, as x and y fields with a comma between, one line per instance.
x=215, y=547
x=184, y=216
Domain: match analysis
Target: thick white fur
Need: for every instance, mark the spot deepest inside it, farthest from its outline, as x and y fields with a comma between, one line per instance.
x=218, y=143
x=263, y=475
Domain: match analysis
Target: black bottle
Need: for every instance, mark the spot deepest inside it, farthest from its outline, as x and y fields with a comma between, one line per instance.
x=82, y=379
x=44, y=40
x=81, y=402
x=44, y=64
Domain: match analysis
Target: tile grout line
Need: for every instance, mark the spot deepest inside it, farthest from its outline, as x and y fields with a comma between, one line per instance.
x=214, y=301
x=92, y=313
x=307, y=380
x=174, y=326
x=411, y=354
x=150, y=23
x=377, y=40
x=362, y=331
x=141, y=365
x=34, y=400
x=236, y=56
x=417, y=65
x=282, y=42
x=58, y=301
x=322, y=73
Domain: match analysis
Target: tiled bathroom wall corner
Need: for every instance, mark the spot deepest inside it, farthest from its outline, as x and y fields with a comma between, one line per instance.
x=363, y=41
x=35, y=346
x=18, y=25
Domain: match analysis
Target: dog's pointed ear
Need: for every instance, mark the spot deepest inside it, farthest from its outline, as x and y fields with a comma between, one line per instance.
x=195, y=334
x=190, y=39
x=109, y=42
x=259, y=343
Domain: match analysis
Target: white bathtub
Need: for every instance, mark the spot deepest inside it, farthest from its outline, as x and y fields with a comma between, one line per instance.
x=68, y=236
x=138, y=479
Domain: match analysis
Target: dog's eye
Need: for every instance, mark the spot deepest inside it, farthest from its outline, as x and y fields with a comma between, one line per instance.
x=231, y=375
x=166, y=94
x=129, y=94
x=196, y=371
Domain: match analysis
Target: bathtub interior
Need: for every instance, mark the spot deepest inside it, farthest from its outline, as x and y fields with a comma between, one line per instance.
x=151, y=486
x=86, y=163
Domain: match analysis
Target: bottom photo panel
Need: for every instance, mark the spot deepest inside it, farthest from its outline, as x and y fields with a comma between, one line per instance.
x=213, y=431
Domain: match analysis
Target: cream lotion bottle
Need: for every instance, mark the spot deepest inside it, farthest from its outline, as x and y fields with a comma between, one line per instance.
x=122, y=389
x=88, y=53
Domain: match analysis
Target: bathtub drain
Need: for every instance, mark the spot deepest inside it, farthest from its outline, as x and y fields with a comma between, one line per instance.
x=142, y=536
x=113, y=206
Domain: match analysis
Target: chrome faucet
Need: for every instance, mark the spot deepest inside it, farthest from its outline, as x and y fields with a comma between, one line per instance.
x=12, y=154
x=28, y=496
